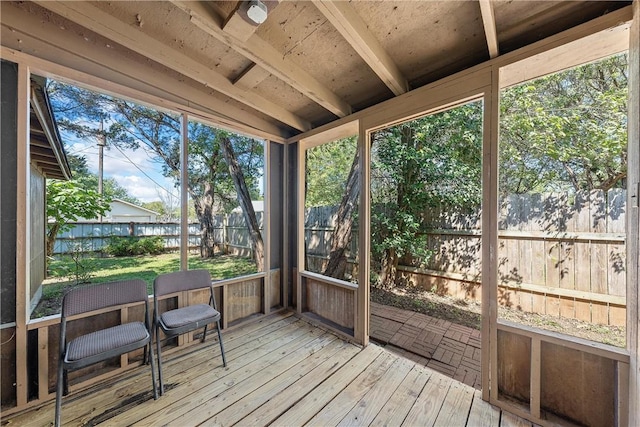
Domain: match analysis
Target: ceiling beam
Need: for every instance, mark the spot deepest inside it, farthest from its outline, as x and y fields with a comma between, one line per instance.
x=266, y=56
x=251, y=77
x=349, y=24
x=47, y=40
x=489, y=22
x=95, y=19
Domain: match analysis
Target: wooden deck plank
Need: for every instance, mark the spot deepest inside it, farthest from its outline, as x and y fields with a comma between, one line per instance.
x=197, y=376
x=426, y=408
x=281, y=402
x=323, y=363
x=395, y=410
x=344, y=401
x=206, y=387
x=455, y=409
x=483, y=413
x=130, y=385
x=308, y=406
x=510, y=420
x=364, y=412
x=281, y=371
x=133, y=388
x=208, y=413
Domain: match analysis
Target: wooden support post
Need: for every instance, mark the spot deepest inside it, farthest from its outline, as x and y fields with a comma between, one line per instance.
x=302, y=165
x=633, y=219
x=124, y=318
x=266, y=227
x=534, y=398
x=184, y=194
x=361, y=330
x=490, y=239
x=622, y=394
x=43, y=363
x=225, y=306
x=285, y=272
x=23, y=237
x=182, y=338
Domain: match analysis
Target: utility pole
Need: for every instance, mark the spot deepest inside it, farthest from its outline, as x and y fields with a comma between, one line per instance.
x=102, y=141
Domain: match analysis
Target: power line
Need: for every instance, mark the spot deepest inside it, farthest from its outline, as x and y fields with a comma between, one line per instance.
x=142, y=171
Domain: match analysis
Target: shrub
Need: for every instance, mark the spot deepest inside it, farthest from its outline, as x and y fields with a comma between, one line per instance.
x=127, y=246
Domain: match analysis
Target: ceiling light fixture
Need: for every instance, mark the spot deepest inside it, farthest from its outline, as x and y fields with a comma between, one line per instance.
x=257, y=11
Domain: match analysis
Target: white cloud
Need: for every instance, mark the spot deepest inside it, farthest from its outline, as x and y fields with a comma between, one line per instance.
x=145, y=189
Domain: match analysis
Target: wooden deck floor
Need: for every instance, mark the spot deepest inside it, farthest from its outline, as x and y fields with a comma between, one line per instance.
x=280, y=371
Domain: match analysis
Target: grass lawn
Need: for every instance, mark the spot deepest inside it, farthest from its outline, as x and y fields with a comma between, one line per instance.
x=146, y=267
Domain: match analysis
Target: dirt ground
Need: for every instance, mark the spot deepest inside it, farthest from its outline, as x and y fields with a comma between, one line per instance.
x=467, y=313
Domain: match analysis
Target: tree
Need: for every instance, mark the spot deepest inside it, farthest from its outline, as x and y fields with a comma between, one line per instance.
x=244, y=198
x=328, y=167
x=210, y=184
x=223, y=168
x=428, y=162
x=337, y=263
x=566, y=131
x=67, y=201
x=332, y=178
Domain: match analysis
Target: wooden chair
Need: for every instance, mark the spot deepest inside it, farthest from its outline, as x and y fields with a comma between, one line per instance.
x=105, y=343
x=185, y=319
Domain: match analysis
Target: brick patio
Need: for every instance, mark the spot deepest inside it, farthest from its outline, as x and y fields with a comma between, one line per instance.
x=443, y=346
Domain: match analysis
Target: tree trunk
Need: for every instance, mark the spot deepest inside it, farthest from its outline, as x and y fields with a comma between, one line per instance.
x=51, y=238
x=204, y=210
x=389, y=269
x=337, y=264
x=244, y=198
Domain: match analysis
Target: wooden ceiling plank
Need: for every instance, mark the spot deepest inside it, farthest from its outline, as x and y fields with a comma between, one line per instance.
x=489, y=22
x=349, y=24
x=266, y=56
x=31, y=27
x=108, y=26
x=251, y=77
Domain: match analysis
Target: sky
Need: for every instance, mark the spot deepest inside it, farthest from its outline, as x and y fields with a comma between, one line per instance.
x=132, y=169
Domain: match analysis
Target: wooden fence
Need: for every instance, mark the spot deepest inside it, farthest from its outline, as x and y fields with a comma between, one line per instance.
x=559, y=255
x=230, y=233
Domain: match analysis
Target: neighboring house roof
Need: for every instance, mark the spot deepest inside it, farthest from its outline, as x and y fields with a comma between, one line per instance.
x=45, y=145
x=134, y=206
x=258, y=206
x=123, y=211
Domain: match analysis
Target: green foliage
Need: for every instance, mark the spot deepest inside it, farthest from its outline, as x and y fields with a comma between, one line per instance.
x=67, y=201
x=327, y=170
x=129, y=246
x=428, y=162
x=209, y=177
x=80, y=267
x=566, y=131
